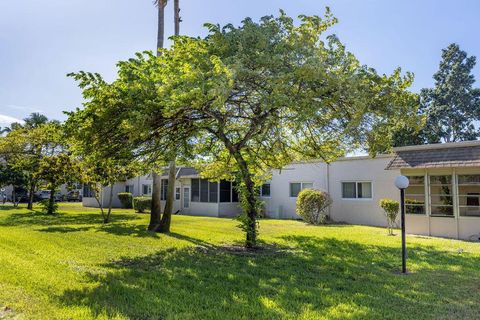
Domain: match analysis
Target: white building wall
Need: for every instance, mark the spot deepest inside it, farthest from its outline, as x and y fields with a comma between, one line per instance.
x=362, y=211
x=280, y=205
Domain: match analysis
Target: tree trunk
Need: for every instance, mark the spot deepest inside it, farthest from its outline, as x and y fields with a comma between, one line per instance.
x=176, y=16
x=14, y=197
x=100, y=204
x=31, y=193
x=155, y=211
x=167, y=213
x=249, y=203
x=51, y=201
x=161, y=24
x=107, y=218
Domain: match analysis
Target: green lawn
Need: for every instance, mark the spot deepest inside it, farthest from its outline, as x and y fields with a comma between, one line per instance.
x=71, y=266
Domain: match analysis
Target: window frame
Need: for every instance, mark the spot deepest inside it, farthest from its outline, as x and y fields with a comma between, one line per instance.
x=178, y=193
x=470, y=194
x=262, y=195
x=451, y=195
x=149, y=188
x=301, y=187
x=357, y=182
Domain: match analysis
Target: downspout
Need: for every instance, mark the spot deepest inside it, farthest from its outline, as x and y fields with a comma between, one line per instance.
x=328, y=191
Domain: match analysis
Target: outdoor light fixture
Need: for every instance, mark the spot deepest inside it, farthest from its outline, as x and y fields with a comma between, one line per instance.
x=401, y=182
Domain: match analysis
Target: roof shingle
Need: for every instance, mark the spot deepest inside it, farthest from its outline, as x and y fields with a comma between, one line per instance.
x=436, y=158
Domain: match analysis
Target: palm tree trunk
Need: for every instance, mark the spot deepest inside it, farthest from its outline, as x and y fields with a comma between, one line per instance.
x=156, y=209
x=176, y=16
x=161, y=23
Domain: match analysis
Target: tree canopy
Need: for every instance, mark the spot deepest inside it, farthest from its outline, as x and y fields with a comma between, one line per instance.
x=246, y=99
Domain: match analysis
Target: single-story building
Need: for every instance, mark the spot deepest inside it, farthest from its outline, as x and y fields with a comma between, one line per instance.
x=443, y=198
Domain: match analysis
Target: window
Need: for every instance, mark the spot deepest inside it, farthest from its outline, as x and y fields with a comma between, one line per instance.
x=147, y=189
x=177, y=193
x=357, y=190
x=204, y=191
x=415, y=195
x=88, y=191
x=296, y=187
x=469, y=195
x=213, y=192
x=129, y=188
x=225, y=191
x=195, y=190
x=441, y=196
x=163, y=189
x=265, y=190
x=234, y=192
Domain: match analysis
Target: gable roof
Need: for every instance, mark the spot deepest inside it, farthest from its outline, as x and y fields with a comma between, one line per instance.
x=440, y=155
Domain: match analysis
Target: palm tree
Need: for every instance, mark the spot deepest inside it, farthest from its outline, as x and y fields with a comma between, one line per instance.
x=156, y=210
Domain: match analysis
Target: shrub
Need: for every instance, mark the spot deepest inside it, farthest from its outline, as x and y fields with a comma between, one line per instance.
x=49, y=208
x=142, y=203
x=126, y=199
x=390, y=207
x=311, y=205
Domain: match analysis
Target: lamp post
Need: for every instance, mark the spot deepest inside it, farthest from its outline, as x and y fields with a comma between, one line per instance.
x=401, y=182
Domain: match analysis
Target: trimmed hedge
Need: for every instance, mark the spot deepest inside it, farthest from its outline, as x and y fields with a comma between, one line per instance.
x=142, y=203
x=312, y=205
x=126, y=198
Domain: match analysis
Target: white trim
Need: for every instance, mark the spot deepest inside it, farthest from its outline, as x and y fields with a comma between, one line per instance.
x=356, y=190
x=433, y=146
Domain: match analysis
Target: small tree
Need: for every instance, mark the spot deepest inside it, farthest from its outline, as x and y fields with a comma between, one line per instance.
x=312, y=204
x=390, y=207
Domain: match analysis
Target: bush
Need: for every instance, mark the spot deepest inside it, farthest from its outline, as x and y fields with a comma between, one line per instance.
x=142, y=203
x=126, y=199
x=49, y=208
x=390, y=207
x=311, y=205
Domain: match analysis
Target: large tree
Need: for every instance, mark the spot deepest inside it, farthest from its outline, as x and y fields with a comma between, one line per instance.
x=453, y=105
x=25, y=145
x=246, y=99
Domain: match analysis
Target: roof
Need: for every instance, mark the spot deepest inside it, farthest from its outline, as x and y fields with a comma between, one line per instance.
x=183, y=172
x=440, y=155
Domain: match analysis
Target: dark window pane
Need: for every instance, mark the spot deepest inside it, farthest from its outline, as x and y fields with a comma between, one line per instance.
x=440, y=180
x=442, y=211
x=349, y=190
x=266, y=190
x=416, y=180
x=177, y=194
x=213, y=194
x=470, y=211
x=414, y=209
x=195, y=190
x=234, y=192
x=203, y=190
x=295, y=189
x=164, y=189
x=225, y=191
x=469, y=179
x=364, y=190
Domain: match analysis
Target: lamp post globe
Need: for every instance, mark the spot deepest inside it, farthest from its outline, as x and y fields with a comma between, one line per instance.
x=401, y=182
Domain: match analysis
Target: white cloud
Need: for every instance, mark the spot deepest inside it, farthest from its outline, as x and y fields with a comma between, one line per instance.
x=7, y=120
x=24, y=108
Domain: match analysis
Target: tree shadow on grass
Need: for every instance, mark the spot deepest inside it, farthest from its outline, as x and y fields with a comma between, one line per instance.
x=313, y=277
x=39, y=218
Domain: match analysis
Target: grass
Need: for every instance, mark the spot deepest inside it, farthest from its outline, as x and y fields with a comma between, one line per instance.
x=70, y=266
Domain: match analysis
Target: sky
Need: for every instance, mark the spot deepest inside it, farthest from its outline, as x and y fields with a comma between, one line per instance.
x=43, y=40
